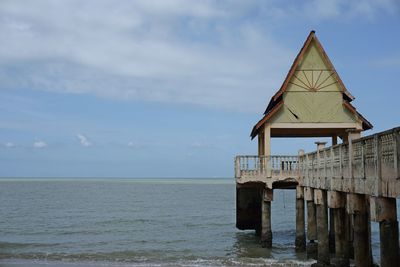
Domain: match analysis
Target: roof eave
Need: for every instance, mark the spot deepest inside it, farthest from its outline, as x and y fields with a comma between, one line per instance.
x=365, y=123
x=266, y=117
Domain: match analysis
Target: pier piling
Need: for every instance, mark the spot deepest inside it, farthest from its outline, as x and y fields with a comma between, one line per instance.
x=384, y=211
x=300, y=242
x=357, y=206
x=311, y=223
x=320, y=199
x=389, y=238
x=266, y=230
x=337, y=204
x=331, y=231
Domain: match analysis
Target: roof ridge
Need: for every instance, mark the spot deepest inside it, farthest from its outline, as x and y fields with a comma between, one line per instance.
x=311, y=37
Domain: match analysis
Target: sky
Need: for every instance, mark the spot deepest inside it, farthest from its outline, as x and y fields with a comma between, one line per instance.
x=172, y=88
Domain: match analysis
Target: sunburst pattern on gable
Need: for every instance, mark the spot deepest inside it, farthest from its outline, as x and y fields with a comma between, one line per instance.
x=313, y=80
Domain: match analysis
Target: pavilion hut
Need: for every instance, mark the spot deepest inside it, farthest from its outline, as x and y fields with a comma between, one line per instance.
x=312, y=102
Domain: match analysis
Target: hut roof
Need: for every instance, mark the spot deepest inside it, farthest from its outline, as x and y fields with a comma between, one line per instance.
x=276, y=101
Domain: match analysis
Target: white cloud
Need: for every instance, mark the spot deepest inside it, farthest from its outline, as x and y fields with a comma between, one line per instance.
x=206, y=53
x=132, y=144
x=137, y=50
x=39, y=144
x=9, y=145
x=199, y=145
x=83, y=140
x=136, y=145
x=344, y=9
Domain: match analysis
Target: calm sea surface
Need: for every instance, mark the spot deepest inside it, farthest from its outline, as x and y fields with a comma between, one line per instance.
x=137, y=222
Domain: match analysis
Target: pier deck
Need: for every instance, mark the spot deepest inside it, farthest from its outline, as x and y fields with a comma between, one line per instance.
x=357, y=181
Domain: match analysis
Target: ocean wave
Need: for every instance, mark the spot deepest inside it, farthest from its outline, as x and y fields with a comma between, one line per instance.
x=144, y=262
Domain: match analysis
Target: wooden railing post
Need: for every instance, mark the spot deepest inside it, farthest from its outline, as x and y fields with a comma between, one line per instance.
x=318, y=161
x=378, y=164
x=256, y=165
x=352, y=135
x=340, y=162
x=266, y=164
x=320, y=146
x=307, y=167
x=396, y=139
x=237, y=167
x=351, y=158
x=300, y=166
x=363, y=160
x=324, y=163
x=332, y=161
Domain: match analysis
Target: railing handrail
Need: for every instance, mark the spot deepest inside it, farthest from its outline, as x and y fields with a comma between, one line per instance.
x=262, y=163
x=361, y=139
x=368, y=165
x=265, y=156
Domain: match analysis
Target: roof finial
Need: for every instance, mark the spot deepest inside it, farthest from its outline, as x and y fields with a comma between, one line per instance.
x=312, y=32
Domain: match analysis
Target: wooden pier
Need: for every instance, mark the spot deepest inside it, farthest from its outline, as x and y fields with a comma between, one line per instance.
x=339, y=189
x=359, y=181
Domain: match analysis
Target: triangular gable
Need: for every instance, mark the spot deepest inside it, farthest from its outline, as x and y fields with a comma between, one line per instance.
x=320, y=75
x=310, y=39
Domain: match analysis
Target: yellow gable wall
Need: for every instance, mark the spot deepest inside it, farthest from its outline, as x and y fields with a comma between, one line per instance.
x=313, y=107
x=313, y=94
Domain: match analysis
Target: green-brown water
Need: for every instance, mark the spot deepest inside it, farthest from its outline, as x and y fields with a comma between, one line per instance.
x=136, y=222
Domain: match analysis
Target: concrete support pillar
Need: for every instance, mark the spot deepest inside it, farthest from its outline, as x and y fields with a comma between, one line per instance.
x=267, y=140
x=266, y=230
x=362, y=256
x=342, y=254
x=383, y=210
x=331, y=231
x=389, y=238
x=349, y=233
x=261, y=143
x=337, y=204
x=311, y=223
x=320, y=200
x=300, y=242
x=357, y=205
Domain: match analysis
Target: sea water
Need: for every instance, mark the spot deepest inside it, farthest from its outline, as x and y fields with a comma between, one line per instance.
x=138, y=222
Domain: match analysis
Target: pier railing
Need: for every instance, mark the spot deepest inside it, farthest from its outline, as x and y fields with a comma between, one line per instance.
x=368, y=165
x=260, y=168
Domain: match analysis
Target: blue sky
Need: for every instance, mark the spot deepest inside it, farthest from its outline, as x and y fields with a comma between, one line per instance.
x=172, y=88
